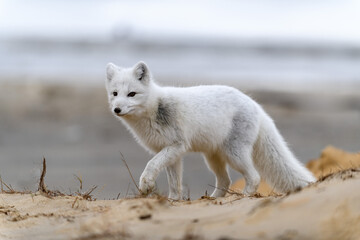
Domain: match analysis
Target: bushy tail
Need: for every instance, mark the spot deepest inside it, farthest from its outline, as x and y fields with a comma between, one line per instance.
x=275, y=162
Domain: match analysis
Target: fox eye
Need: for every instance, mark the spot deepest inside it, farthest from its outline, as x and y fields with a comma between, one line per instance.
x=131, y=94
x=115, y=94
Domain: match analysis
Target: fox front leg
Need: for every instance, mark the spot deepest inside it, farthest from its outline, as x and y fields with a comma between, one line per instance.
x=174, y=175
x=166, y=157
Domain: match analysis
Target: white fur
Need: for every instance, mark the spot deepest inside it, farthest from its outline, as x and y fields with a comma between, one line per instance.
x=227, y=126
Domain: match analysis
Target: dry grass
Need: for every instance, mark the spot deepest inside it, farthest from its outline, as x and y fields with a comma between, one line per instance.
x=132, y=178
x=43, y=190
x=339, y=174
x=87, y=195
x=42, y=186
x=10, y=189
x=80, y=194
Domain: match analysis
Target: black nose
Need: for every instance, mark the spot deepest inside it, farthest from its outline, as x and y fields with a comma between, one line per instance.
x=117, y=110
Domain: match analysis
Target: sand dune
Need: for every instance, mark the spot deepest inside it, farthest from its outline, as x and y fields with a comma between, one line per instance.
x=331, y=160
x=328, y=209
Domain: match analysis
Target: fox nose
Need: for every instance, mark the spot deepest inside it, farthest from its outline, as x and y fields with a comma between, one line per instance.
x=117, y=110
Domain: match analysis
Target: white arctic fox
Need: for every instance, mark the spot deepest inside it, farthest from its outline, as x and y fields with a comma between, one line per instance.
x=227, y=126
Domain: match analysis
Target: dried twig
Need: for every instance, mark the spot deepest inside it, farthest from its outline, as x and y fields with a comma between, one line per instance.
x=80, y=181
x=2, y=187
x=42, y=186
x=73, y=204
x=9, y=187
x=124, y=161
x=117, y=197
x=127, y=190
x=87, y=195
x=227, y=190
x=46, y=192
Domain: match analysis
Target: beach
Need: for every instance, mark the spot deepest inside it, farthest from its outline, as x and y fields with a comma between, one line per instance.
x=327, y=209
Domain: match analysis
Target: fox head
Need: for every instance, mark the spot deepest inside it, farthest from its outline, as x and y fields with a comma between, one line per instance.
x=128, y=89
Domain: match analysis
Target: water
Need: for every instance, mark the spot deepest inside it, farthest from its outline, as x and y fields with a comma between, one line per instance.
x=263, y=65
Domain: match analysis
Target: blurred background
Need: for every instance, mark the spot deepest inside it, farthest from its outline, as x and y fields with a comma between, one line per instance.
x=299, y=59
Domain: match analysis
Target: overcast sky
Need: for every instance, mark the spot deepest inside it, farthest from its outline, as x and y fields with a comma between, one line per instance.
x=330, y=21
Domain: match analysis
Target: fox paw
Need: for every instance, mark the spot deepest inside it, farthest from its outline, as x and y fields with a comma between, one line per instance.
x=176, y=196
x=146, y=185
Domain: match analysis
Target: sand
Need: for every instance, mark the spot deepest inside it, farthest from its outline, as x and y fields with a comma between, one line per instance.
x=328, y=209
x=331, y=160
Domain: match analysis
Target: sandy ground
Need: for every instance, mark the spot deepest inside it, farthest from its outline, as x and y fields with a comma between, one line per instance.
x=326, y=210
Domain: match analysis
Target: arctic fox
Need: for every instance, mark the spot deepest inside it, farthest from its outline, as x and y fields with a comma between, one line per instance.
x=221, y=122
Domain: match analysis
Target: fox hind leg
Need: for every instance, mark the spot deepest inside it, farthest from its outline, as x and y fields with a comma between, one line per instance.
x=238, y=147
x=217, y=165
x=241, y=161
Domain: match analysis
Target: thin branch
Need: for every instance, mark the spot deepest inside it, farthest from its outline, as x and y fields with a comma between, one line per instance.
x=9, y=187
x=227, y=190
x=118, y=196
x=42, y=186
x=73, y=204
x=80, y=181
x=124, y=161
x=127, y=190
x=87, y=195
x=2, y=187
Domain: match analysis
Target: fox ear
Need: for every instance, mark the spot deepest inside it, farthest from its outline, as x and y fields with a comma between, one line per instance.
x=141, y=71
x=110, y=71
